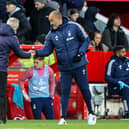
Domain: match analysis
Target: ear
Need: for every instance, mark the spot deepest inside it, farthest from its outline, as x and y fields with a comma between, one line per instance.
x=43, y=4
x=61, y=21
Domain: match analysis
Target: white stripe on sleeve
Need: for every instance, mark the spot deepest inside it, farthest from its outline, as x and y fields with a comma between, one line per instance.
x=110, y=67
x=80, y=27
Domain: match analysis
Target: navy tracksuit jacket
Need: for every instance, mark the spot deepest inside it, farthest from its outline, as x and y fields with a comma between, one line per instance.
x=117, y=69
x=68, y=40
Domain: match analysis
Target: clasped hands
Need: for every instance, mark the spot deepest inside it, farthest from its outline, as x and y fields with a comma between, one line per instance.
x=33, y=53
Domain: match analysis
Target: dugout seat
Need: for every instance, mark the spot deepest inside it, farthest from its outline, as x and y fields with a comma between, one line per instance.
x=114, y=106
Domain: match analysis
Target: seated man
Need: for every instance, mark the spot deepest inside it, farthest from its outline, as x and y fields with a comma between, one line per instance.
x=41, y=88
x=117, y=75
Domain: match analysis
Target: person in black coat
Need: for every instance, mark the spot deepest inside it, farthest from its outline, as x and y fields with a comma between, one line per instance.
x=29, y=6
x=90, y=20
x=17, y=12
x=39, y=19
x=113, y=34
x=2, y=10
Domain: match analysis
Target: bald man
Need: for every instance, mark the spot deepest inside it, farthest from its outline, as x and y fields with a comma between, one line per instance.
x=70, y=42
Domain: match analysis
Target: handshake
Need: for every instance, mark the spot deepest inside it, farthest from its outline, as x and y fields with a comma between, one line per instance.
x=122, y=85
x=33, y=52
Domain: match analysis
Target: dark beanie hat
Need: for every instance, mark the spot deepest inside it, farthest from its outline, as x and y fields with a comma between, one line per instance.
x=14, y=2
x=41, y=1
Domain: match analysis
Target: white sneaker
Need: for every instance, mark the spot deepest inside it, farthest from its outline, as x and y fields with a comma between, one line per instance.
x=62, y=122
x=91, y=119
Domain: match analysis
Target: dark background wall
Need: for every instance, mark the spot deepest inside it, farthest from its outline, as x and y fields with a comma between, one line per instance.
x=106, y=8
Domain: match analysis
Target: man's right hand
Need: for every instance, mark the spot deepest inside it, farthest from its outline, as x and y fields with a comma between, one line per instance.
x=33, y=53
x=78, y=57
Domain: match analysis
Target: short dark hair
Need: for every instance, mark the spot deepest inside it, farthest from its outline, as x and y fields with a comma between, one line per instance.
x=93, y=35
x=41, y=1
x=38, y=57
x=14, y=2
x=73, y=11
x=118, y=48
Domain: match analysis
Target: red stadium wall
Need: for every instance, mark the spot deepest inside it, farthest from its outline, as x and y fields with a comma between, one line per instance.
x=96, y=70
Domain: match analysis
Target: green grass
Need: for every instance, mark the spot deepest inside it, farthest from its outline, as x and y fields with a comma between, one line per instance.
x=72, y=124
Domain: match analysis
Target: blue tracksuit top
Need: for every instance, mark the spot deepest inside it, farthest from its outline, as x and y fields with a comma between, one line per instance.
x=8, y=42
x=67, y=40
x=117, y=69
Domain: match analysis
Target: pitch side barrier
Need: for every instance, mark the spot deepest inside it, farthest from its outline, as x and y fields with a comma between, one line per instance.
x=96, y=69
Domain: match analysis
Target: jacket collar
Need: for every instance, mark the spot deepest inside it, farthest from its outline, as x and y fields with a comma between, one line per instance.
x=118, y=58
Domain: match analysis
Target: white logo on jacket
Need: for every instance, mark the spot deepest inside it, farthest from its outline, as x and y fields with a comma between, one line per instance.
x=56, y=37
x=70, y=37
x=84, y=71
x=69, y=33
x=127, y=69
x=120, y=67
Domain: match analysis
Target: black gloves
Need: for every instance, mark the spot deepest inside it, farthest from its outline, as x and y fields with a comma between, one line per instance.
x=78, y=57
